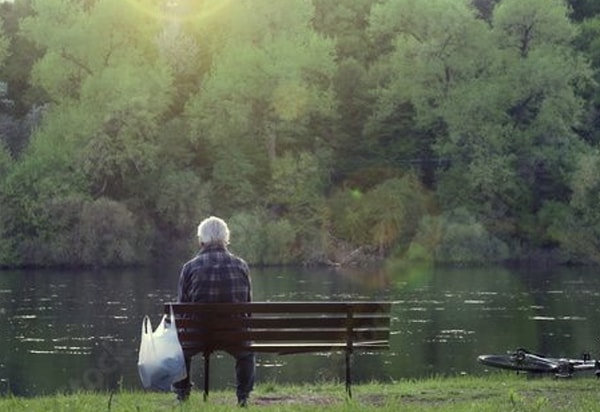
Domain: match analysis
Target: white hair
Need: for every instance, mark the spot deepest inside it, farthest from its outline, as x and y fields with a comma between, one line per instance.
x=213, y=230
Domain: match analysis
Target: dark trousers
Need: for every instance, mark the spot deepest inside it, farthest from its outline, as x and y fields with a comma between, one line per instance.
x=245, y=366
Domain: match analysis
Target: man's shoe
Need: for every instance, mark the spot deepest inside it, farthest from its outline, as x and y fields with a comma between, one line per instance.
x=183, y=397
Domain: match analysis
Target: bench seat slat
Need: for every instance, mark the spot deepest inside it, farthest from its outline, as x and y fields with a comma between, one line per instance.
x=282, y=307
x=296, y=335
x=287, y=322
x=292, y=348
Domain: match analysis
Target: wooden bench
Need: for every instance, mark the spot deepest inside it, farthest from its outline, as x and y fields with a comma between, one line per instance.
x=282, y=328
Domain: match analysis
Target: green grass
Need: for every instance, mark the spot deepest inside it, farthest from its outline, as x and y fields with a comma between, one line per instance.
x=497, y=392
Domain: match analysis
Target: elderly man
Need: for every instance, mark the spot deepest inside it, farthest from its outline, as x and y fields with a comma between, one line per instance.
x=217, y=275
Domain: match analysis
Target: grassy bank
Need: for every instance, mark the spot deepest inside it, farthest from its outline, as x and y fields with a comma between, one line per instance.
x=497, y=392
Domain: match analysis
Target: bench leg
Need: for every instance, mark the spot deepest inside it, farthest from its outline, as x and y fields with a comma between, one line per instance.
x=349, y=373
x=206, y=374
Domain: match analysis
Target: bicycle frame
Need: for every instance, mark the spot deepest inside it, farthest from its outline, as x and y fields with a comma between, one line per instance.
x=523, y=360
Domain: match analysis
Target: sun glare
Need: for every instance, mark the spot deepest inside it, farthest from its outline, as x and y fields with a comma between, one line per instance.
x=180, y=9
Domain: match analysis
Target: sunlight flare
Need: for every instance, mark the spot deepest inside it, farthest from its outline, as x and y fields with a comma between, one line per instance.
x=180, y=9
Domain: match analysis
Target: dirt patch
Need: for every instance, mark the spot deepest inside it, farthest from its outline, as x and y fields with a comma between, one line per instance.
x=321, y=400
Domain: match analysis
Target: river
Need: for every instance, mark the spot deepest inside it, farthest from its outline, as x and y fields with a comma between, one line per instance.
x=62, y=331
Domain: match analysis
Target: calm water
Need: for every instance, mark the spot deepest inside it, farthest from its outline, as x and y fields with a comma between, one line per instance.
x=63, y=331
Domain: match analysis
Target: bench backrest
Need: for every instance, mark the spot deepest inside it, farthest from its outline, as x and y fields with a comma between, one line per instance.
x=282, y=326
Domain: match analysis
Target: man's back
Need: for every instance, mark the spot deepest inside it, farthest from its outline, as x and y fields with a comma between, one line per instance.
x=215, y=275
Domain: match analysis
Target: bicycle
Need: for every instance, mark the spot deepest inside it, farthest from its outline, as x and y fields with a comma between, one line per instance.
x=522, y=360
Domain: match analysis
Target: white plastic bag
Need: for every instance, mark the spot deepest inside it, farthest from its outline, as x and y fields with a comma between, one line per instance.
x=161, y=361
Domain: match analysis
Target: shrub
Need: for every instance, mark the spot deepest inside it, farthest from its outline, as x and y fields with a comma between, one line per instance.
x=383, y=217
x=180, y=200
x=457, y=237
x=84, y=232
x=109, y=234
x=576, y=236
x=259, y=239
x=248, y=235
x=279, y=243
x=6, y=243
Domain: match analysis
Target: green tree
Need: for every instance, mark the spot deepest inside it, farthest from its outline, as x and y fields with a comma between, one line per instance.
x=384, y=218
x=539, y=77
x=108, y=90
x=584, y=9
x=431, y=47
x=193, y=31
x=297, y=197
x=108, y=86
x=456, y=237
x=11, y=130
x=501, y=99
x=27, y=191
x=298, y=184
x=267, y=85
x=23, y=53
x=485, y=7
x=346, y=22
x=4, y=46
x=6, y=244
x=587, y=41
x=575, y=227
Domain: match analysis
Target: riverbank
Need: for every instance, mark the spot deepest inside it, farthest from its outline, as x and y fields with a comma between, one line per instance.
x=496, y=392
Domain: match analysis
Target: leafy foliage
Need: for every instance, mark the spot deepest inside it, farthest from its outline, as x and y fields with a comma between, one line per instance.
x=462, y=131
x=382, y=217
x=457, y=237
x=101, y=232
x=262, y=240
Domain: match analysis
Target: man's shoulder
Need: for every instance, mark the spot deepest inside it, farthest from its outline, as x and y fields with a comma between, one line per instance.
x=198, y=260
x=218, y=257
x=240, y=261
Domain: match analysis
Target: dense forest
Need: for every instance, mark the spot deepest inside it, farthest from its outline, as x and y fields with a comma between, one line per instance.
x=323, y=131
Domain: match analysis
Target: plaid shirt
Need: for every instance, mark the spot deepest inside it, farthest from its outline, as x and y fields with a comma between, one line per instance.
x=215, y=275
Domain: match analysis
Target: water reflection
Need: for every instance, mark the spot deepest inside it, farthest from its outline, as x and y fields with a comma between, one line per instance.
x=63, y=331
